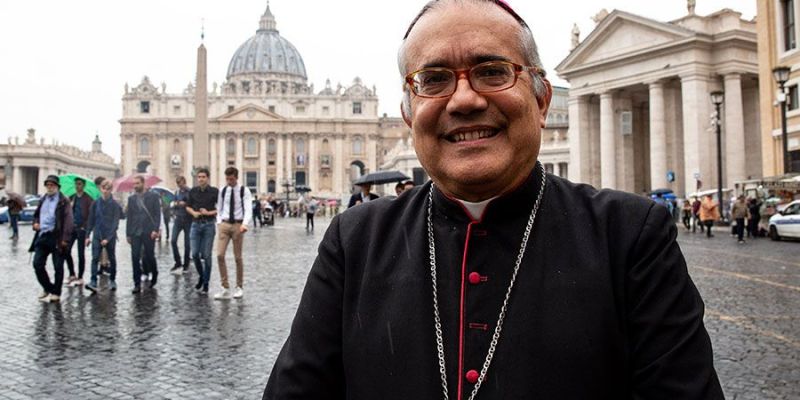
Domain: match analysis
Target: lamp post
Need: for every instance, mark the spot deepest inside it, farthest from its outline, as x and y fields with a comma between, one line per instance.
x=781, y=75
x=717, y=98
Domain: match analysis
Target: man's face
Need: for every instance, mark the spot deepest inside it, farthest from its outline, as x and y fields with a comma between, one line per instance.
x=459, y=36
x=202, y=179
x=105, y=189
x=138, y=185
x=231, y=180
x=181, y=183
x=366, y=189
x=79, y=186
x=51, y=188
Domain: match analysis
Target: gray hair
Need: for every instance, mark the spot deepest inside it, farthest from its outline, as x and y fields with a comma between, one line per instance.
x=526, y=42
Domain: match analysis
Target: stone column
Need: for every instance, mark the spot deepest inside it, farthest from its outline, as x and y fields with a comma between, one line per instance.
x=698, y=152
x=608, y=142
x=338, y=164
x=280, y=173
x=16, y=180
x=658, y=137
x=222, y=143
x=289, y=153
x=262, y=164
x=580, y=168
x=240, y=154
x=213, y=162
x=735, y=159
x=312, y=160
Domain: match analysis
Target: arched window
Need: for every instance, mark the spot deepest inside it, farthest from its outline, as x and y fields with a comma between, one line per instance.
x=356, y=170
x=230, y=149
x=358, y=146
x=252, y=146
x=271, y=186
x=144, y=146
x=271, y=146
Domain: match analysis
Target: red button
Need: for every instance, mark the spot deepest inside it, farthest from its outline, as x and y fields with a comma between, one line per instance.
x=472, y=376
x=474, y=278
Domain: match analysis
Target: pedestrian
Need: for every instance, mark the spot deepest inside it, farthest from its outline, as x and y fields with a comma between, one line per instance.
x=364, y=195
x=235, y=212
x=257, y=213
x=408, y=185
x=686, y=211
x=398, y=188
x=202, y=207
x=311, y=209
x=709, y=212
x=182, y=225
x=14, y=211
x=81, y=204
x=591, y=289
x=755, y=218
x=740, y=213
x=142, y=230
x=104, y=262
x=102, y=225
x=53, y=225
x=696, y=213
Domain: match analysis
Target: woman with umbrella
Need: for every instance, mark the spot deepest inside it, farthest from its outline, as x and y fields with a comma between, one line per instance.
x=15, y=205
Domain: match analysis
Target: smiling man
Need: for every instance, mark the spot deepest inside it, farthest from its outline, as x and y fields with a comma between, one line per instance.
x=495, y=280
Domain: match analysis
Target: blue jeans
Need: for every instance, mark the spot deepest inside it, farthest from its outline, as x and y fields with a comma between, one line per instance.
x=181, y=226
x=111, y=250
x=14, y=220
x=202, y=240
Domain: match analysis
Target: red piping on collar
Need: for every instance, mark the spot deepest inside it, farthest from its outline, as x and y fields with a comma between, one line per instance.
x=461, y=309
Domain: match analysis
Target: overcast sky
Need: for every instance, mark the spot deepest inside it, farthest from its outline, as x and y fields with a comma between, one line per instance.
x=64, y=64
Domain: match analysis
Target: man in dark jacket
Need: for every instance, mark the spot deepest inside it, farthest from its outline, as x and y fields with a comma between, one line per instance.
x=496, y=280
x=103, y=222
x=182, y=224
x=52, y=222
x=81, y=204
x=364, y=195
x=143, y=224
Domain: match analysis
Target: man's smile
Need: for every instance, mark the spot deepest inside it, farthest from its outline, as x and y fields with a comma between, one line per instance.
x=470, y=134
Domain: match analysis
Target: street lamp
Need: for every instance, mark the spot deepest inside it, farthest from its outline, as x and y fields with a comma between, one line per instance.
x=781, y=75
x=717, y=97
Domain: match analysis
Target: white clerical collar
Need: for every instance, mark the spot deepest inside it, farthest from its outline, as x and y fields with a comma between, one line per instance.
x=475, y=209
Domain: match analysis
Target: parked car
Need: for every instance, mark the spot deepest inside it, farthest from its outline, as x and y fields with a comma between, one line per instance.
x=786, y=223
x=26, y=215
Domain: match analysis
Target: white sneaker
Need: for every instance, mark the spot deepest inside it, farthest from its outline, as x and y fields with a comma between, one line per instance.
x=43, y=295
x=50, y=299
x=225, y=294
x=177, y=271
x=238, y=293
x=77, y=282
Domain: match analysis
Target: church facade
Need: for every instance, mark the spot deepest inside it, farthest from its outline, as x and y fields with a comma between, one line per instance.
x=265, y=119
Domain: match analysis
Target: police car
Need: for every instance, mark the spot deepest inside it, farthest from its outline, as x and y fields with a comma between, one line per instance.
x=786, y=223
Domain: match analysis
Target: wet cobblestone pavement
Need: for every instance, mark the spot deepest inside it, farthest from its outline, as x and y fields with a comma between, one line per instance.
x=171, y=343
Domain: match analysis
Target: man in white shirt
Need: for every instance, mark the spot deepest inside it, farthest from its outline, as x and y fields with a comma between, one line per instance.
x=233, y=216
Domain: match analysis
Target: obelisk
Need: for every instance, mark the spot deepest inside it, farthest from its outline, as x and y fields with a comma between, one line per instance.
x=200, y=149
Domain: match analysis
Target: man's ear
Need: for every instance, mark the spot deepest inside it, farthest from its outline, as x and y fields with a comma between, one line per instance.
x=404, y=111
x=544, y=102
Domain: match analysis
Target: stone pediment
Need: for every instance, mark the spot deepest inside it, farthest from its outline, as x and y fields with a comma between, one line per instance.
x=621, y=34
x=250, y=112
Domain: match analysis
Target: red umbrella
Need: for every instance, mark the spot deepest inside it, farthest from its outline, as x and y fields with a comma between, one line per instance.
x=125, y=183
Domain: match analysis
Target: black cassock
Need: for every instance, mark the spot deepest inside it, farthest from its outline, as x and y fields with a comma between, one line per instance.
x=602, y=308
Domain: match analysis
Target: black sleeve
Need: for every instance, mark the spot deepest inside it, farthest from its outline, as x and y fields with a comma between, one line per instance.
x=130, y=224
x=154, y=206
x=669, y=346
x=90, y=220
x=310, y=364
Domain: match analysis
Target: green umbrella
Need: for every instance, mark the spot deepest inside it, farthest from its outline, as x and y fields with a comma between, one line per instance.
x=67, y=183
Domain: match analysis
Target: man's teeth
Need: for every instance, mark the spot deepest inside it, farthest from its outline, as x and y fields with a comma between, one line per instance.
x=473, y=135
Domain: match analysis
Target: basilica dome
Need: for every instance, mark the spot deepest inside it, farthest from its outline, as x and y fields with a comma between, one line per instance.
x=267, y=53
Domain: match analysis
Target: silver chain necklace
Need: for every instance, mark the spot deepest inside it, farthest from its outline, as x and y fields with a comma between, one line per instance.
x=499, y=327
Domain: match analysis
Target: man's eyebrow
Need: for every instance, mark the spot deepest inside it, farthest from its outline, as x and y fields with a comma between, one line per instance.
x=473, y=60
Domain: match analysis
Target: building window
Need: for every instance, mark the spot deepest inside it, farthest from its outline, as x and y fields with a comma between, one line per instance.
x=144, y=107
x=300, y=146
x=300, y=178
x=144, y=147
x=325, y=161
x=358, y=146
x=356, y=107
x=299, y=109
x=176, y=146
x=792, y=99
x=176, y=110
x=271, y=147
x=326, y=110
x=563, y=170
x=548, y=168
x=271, y=186
x=230, y=149
x=271, y=109
x=789, y=38
x=230, y=108
x=252, y=147
x=251, y=180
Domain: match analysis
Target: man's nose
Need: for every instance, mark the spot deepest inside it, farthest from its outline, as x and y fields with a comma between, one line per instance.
x=465, y=100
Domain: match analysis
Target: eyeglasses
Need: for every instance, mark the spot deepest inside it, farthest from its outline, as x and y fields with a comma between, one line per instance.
x=488, y=77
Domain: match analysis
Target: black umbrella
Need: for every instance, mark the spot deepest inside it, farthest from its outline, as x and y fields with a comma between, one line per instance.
x=302, y=189
x=381, y=177
x=660, y=191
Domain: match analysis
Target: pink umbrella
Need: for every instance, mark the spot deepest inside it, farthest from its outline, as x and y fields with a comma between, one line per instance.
x=125, y=183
